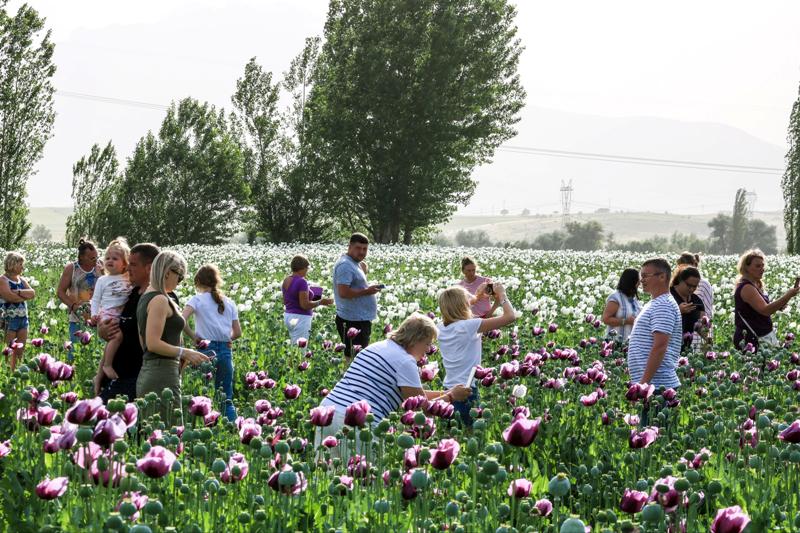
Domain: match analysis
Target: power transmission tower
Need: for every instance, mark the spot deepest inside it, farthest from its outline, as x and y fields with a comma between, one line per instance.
x=566, y=201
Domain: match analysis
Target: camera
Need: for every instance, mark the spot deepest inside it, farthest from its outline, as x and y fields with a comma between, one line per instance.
x=489, y=288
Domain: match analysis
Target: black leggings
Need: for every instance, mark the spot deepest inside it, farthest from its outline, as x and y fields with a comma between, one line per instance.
x=362, y=339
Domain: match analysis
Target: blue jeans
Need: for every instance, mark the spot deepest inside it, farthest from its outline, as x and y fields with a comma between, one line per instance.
x=74, y=327
x=463, y=408
x=223, y=376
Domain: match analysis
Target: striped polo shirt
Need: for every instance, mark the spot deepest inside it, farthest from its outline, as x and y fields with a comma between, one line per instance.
x=659, y=315
x=376, y=375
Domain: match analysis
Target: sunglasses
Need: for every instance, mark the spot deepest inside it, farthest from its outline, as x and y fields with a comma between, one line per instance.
x=180, y=275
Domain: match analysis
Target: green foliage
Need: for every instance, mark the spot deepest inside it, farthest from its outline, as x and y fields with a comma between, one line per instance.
x=586, y=236
x=739, y=220
x=40, y=233
x=737, y=233
x=26, y=113
x=95, y=181
x=791, y=182
x=184, y=186
x=553, y=240
x=473, y=238
x=284, y=203
x=408, y=98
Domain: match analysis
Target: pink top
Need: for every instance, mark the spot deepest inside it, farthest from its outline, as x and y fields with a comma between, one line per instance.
x=481, y=307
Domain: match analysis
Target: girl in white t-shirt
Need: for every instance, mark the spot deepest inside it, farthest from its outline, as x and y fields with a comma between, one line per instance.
x=111, y=293
x=460, y=338
x=217, y=321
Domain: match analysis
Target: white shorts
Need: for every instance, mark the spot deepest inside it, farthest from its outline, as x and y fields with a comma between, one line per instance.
x=298, y=326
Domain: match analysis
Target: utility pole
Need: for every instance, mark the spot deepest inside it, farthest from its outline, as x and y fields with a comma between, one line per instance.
x=566, y=201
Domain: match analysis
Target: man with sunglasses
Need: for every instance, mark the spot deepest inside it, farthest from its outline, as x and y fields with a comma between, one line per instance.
x=655, y=342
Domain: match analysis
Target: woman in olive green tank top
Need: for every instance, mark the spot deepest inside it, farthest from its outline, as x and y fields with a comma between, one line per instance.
x=160, y=326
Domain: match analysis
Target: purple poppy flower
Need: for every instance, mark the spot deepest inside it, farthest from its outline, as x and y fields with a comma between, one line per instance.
x=520, y=488
x=108, y=431
x=445, y=453
x=50, y=489
x=633, y=501
x=522, y=432
x=730, y=520
x=643, y=438
x=356, y=413
x=236, y=470
x=291, y=392
x=84, y=411
x=322, y=416
x=544, y=507
x=157, y=462
x=200, y=405
x=791, y=433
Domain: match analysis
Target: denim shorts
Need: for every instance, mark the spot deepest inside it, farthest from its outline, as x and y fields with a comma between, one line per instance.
x=16, y=323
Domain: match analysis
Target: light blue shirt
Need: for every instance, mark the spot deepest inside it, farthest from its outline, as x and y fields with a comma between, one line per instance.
x=347, y=272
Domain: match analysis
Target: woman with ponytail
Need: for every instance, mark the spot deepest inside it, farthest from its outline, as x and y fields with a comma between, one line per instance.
x=217, y=321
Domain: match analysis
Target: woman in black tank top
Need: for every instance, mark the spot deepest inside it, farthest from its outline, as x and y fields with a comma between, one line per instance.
x=753, y=308
x=160, y=326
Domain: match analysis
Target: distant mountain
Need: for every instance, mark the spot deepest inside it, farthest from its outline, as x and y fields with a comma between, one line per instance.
x=515, y=181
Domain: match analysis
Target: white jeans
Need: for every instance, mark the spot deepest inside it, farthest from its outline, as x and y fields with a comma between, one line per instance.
x=345, y=448
x=298, y=325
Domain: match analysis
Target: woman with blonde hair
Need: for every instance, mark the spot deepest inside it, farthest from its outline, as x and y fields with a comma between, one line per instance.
x=383, y=375
x=14, y=295
x=460, y=338
x=160, y=326
x=753, y=307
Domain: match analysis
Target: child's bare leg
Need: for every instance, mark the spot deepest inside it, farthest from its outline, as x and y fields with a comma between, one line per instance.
x=108, y=356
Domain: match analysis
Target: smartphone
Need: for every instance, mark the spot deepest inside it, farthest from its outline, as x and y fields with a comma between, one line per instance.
x=381, y=286
x=471, y=377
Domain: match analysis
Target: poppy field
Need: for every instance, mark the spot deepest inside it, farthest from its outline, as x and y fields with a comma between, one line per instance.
x=558, y=444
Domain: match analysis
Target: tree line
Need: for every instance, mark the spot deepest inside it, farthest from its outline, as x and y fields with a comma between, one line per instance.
x=388, y=115
x=730, y=234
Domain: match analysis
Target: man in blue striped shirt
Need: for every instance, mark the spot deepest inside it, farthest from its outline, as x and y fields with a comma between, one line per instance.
x=655, y=342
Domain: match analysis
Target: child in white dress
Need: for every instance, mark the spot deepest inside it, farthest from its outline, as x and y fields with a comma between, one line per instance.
x=111, y=292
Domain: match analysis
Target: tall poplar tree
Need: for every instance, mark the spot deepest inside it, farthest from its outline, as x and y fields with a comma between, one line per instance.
x=791, y=182
x=26, y=112
x=409, y=97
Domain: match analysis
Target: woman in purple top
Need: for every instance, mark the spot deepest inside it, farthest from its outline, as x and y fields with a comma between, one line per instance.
x=481, y=304
x=752, y=305
x=299, y=300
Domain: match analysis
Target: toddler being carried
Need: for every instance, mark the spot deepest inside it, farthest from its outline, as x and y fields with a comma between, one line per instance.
x=111, y=292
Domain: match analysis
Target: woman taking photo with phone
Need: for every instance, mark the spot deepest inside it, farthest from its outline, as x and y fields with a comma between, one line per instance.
x=683, y=286
x=480, y=302
x=752, y=305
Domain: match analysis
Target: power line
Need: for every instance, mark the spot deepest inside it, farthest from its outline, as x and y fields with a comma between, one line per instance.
x=612, y=158
x=528, y=150
x=111, y=100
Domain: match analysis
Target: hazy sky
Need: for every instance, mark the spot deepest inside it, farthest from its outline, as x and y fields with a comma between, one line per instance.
x=735, y=63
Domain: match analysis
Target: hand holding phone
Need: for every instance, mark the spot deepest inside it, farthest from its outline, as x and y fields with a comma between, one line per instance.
x=380, y=286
